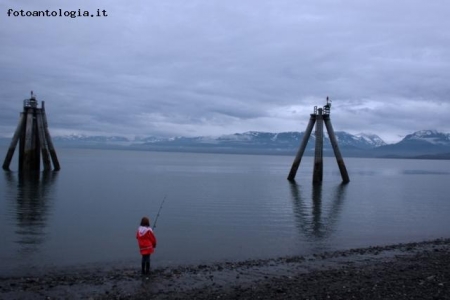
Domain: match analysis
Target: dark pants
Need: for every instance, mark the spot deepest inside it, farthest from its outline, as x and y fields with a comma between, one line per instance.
x=145, y=264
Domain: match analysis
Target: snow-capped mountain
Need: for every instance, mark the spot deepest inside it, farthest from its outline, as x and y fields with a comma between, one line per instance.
x=372, y=139
x=424, y=142
x=264, y=142
x=428, y=136
x=365, y=141
x=86, y=138
x=85, y=141
x=361, y=140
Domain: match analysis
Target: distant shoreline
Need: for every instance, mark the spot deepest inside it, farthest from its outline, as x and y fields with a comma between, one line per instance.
x=401, y=271
x=236, y=151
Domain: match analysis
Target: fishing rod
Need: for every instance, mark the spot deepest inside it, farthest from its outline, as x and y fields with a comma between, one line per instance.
x=159, y=211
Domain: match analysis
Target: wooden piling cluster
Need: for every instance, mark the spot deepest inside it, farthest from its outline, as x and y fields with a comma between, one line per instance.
x=319, y=117
x=32, y=132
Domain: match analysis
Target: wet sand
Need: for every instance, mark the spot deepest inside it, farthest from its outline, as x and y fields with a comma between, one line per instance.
x=402, y=271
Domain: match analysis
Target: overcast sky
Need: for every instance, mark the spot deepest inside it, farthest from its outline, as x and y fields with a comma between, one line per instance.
x=205, y=67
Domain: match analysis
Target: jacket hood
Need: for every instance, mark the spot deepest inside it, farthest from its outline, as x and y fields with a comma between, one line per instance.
x=143, y=230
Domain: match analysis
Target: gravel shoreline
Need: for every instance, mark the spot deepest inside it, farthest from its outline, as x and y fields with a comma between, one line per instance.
x=402, y=271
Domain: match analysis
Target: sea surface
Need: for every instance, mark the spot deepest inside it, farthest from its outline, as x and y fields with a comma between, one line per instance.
x=213, y=208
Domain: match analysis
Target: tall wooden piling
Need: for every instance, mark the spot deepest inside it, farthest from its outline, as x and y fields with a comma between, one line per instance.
x=15, y=139
x=48, y=138
x=337, y=152
x=34, y=139
x=318, y=153
x=320, y=116
x=43, y=141
x=302, y=148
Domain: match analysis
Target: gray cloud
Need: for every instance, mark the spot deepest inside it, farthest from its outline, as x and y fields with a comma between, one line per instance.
x=207, y=67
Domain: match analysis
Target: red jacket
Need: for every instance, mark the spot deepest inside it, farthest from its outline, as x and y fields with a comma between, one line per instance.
x=146, y=240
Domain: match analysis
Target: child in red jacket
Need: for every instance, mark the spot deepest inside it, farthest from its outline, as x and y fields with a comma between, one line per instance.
x=147, y=243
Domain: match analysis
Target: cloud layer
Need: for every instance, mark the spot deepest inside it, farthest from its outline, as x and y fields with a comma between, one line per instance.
x=216, y=67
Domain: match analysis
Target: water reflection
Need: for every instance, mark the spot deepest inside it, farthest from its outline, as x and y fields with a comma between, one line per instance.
x=30, y=196
x=316, y=216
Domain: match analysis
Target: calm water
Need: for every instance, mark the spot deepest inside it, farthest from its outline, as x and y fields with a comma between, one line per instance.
x=218, y=207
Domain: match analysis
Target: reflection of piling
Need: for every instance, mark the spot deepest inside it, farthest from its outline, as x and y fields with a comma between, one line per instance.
x=319, y=117
x=32, y=132
x=30, y=195
x=317, y=219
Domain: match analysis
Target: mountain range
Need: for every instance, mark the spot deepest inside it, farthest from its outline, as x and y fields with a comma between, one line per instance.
x=421, y=144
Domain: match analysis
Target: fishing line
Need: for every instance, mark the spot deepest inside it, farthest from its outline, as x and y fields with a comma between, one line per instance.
x=159, y=211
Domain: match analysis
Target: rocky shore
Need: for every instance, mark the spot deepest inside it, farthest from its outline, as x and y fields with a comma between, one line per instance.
x=403, y=271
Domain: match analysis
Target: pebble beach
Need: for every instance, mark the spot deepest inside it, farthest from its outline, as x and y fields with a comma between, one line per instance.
x=402, y=271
